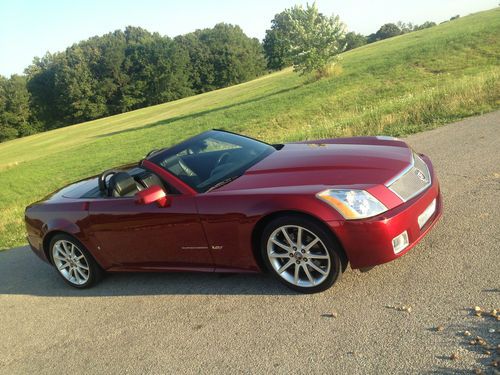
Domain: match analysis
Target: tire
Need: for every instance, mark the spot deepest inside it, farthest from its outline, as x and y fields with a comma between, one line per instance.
x=73, y=262
x=318, y=259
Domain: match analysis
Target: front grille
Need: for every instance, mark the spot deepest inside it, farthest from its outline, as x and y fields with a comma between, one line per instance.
x=415, y=179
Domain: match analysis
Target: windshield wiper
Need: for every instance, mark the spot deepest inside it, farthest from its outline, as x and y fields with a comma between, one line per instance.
x=223, y=182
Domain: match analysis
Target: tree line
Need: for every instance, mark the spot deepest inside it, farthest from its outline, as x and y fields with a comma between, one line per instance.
x=134, y=68
x=123, y=71
x=388, y=30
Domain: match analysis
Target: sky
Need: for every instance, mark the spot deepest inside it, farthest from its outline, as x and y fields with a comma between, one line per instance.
x=30, y=28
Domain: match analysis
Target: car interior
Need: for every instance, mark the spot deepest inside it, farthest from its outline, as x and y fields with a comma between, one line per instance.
x=201, y=164
x=115, y=183
x=194, y=169
x=202, y=169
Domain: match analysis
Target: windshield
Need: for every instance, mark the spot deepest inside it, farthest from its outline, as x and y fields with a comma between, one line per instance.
x=211, y=158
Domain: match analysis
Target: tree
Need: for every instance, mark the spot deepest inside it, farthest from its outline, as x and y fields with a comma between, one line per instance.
x=41, y=86
x=387, y=31
x=406, y=27
x=201, y=72
x=425, y=25
x=222, y=56
x=275, y=44
x=354, y=40
x=14, y=108
x=309, y=39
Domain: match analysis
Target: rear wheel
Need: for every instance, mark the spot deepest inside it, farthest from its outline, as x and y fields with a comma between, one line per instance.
x=73, y=262
x=301, y=254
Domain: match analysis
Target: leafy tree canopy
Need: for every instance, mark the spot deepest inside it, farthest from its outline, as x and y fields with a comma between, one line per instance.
x=305, y=38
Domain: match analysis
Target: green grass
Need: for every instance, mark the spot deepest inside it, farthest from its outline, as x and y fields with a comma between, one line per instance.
x=396, y=87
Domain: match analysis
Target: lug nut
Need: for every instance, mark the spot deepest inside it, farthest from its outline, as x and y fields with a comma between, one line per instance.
x=298, y=262
x=305, y=259
x=303, y=251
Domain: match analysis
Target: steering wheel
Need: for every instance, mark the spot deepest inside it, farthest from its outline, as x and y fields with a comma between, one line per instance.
x=222, y=159
x=102, y=180
x=185, y=168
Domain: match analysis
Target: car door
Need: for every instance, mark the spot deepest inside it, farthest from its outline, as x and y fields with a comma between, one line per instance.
x=133, y=235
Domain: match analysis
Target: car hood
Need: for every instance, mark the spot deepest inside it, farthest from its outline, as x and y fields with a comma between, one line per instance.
x=360, y=161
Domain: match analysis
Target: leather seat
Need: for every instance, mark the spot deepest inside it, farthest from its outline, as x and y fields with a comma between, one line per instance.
x=149, y=179
x=121, y=184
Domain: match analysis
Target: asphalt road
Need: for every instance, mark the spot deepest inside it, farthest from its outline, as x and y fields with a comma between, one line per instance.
x=195, y=323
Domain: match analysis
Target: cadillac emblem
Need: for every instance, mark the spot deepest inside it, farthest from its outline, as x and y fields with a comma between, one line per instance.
x=420, y=175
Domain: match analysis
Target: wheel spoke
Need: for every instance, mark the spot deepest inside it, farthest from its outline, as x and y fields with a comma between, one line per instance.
x=308, y=274
x=60, y=258
x=287, y=237
x=77, y=276
x=81, y=273
x=83, y=266
x=318, y=256
x=72, y=250
x=278, y=255
x=296, y=274
x=311, y=244
x=283, y=246
x=286, y=265
x=63, y=266
x=61, y=250
x=317, y=268
x=299, y=237
x=63, y=244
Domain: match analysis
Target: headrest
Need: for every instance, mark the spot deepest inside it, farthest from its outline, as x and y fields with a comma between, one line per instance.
x=121, y=184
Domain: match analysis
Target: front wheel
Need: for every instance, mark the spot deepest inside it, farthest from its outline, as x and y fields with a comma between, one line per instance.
x=73, y=262
x=301, y=254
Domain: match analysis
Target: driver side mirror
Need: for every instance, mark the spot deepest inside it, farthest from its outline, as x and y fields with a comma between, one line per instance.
x=152, y=194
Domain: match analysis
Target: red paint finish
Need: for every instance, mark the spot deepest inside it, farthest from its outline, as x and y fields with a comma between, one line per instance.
x=340, y=165
x=132, y=235
x=213, y=231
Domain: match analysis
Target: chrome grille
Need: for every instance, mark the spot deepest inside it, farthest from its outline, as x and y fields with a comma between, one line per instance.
x=415, y=179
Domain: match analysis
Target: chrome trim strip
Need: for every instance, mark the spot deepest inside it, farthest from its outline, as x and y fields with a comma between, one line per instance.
x=194, y=247
x=402, y=173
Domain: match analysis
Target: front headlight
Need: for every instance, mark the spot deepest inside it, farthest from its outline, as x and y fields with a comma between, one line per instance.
x=352, y=204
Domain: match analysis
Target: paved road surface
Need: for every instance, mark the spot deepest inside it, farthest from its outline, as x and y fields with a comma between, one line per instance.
x=190, y=323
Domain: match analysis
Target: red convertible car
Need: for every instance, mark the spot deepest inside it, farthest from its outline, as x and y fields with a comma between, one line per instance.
x=222, y=202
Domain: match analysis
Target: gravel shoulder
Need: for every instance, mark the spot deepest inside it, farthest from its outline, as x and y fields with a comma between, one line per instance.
x=192, y=323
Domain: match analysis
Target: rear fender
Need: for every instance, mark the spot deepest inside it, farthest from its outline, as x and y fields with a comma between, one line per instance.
x=65, y=226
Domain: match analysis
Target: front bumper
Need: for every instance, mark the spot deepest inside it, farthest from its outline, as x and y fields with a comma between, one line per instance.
x=368, y=243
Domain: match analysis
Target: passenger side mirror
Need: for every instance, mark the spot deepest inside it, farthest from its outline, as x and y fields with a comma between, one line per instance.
x=152, y=194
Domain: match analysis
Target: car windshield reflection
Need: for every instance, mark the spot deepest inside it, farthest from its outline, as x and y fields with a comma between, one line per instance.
x=208, y=160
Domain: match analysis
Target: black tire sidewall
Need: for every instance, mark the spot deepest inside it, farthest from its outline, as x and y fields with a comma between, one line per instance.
x=326, y=238
x=94, y=269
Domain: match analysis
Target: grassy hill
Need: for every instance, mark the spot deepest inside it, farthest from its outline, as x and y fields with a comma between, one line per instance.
x=395, y=87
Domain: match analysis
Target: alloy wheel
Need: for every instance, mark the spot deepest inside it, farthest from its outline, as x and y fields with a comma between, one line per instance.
x=298, y=256
x=71, y=262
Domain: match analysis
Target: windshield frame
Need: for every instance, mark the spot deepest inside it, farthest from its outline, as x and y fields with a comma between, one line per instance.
x=160, y=156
